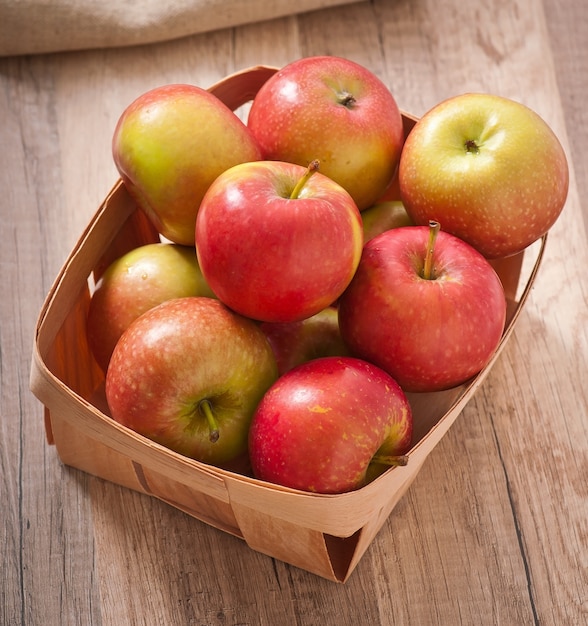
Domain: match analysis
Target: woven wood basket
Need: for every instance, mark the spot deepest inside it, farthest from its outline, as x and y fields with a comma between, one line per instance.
x=323, y=534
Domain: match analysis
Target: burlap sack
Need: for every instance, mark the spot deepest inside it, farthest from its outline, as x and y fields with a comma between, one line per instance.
x=38, y=26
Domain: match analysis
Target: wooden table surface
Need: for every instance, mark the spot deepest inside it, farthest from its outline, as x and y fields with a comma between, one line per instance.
x=495, y=528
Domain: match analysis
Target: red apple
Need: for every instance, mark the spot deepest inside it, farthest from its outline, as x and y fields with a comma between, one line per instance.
x=277, y=242
x=429, y=309
x=189, y=374
x=489, y=169
x=169, y=145
x=324, y=423
x=136, y=282
x=334, y=110
x=294, y=343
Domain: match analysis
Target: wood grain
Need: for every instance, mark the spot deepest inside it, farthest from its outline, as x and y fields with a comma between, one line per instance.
x=493, y=531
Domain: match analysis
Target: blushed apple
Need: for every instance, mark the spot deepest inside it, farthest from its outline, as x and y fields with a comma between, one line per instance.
x=169, y=145
x=322, y=425
x=277, y=242
x=136, y=282
x=334, y=110
x=295, y=343
x=489, y=169
x=424, y=306
x=189, y=374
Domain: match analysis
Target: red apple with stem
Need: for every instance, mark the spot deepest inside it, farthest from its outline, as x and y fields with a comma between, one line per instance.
x=136, y=282
x=169, y=144
x=296, y=342
x=322, y=426
x=424, y=306
x=189, y=374
x=489, y=169
x=277, y=242
x=334, y=110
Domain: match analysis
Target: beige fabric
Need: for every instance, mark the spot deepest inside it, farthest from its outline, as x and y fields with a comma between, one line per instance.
x=36, y=26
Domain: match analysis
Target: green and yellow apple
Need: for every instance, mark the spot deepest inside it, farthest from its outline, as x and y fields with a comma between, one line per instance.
x=169, y=145
x=334, y=110
x=488, y=169
x=189, y=374
x=383, y=216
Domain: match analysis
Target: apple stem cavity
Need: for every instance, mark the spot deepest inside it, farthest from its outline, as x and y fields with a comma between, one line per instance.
x=471, y=147
x=313, y=167
x=347, y=100
x=434, y=228
x=391, y=459
x=205, y=408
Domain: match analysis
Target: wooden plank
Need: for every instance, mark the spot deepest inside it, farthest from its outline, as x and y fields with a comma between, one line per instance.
x=567, y=25
x=46, y=516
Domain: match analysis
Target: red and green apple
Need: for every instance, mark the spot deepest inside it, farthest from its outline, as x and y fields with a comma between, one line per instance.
x=383, y=216
x=424, y=306
x=323, y=425
x=277, y=242
x=169, y=144
x=189, y=374
x=334, y=110
x=295, y=343
x=136, y=282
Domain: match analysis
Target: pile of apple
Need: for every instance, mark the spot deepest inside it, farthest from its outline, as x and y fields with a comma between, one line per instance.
x=295, y=298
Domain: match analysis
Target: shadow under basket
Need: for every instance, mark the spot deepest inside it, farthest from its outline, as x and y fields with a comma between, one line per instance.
x=323, y=534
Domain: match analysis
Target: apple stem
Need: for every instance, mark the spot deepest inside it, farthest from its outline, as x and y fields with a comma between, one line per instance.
x=313, y=167
x=390, y=459
x=206, y=408
x=434, y=228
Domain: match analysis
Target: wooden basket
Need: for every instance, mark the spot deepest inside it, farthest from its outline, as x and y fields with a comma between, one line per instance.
x=323, y=534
